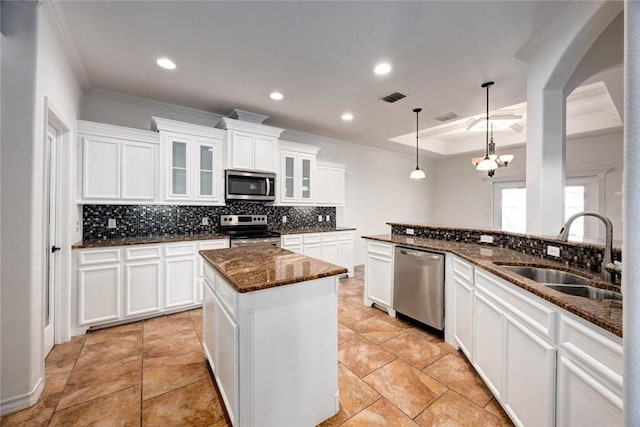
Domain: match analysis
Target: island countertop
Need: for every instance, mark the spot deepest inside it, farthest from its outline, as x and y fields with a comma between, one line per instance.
x=253, y=268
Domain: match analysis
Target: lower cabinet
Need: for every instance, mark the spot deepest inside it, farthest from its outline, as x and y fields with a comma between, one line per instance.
x=545, y=366
x=378, y=276
x=273, y=352
x=333, y=247
x=130, y=282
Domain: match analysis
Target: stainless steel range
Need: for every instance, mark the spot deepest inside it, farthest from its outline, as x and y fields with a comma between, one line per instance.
x=246, y=230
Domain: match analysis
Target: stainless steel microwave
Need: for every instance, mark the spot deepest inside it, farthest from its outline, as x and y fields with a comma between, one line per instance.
x=250, y=185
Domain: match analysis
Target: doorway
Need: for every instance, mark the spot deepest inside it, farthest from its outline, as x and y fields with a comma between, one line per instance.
x=52, y=246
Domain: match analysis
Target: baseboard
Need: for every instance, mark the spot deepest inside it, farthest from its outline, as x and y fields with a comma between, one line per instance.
x=23, y=401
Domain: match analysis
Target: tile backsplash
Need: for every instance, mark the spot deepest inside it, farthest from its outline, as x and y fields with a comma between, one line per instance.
x=145, y=220
x=587, y=256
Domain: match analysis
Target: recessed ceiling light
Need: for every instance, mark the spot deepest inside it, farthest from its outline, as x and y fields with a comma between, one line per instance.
x=277, y=96
x=166, y=63
x=347, y=117
x=382, y=68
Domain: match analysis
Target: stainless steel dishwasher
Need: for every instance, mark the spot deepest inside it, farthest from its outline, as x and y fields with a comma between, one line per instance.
x=418, y=285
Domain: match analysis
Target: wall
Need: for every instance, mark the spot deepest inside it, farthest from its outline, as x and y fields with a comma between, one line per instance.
x=463, y=196
x=34, y=67
x=378, y=188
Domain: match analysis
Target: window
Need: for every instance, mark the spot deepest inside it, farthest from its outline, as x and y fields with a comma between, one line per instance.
x=510, y=207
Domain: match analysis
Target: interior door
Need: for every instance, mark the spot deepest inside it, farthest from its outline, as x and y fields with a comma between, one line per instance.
x=52, y=248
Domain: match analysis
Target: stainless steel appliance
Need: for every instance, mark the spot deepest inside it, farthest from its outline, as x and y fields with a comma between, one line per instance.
x=418, y=286
x=250, y=185
x=246, y=230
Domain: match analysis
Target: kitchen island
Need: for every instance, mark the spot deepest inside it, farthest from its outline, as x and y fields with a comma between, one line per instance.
x=270, y=334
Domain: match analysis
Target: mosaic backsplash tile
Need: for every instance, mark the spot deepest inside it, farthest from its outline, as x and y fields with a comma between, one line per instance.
x=581, y=256
x=146, y=220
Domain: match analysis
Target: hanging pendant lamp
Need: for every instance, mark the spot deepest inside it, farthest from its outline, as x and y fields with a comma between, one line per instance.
x=417, y=173
x=491, y=161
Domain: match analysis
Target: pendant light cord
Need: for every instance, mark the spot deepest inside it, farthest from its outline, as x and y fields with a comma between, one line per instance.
x=417, y=111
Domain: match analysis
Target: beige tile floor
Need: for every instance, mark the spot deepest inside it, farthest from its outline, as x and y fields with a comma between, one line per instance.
x=153, y=373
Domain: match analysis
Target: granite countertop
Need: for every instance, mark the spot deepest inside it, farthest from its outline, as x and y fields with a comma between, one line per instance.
x=303, y=230
x=253, y=268
x=141, y=240
x=605, y=313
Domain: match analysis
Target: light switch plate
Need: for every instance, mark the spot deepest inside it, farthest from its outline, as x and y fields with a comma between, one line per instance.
x=111, y=223
x=553, y=251
x=284, y=219
x=205, y=220
x=485, y=238
x=410, y=231
x=320, y=218
x=327, y=218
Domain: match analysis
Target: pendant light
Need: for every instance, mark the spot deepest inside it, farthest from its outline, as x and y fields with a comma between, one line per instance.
x=417, y=173
x=491, y=161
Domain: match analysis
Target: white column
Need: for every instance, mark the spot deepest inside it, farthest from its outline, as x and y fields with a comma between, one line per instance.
x=631, y=214
x=546, y=155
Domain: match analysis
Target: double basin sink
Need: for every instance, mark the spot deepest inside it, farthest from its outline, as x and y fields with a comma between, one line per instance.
x=564, y=282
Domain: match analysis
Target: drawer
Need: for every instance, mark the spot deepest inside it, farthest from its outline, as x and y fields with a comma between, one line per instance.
x=142, y=252
x=597, y=351
x=329, y=237
x=312, y=238
x=98, y=256
x=214, y=244
x=345, y=235
x=179, y=250
x=292, y=240
x=380, y=248
x=463, y=270
x=227, y=295
x=537, y=316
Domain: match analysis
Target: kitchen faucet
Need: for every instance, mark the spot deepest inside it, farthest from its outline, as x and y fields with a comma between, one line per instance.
x=609, y=269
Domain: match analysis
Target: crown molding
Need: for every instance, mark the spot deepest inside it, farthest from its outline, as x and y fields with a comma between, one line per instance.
x=233, y=124
x=113, y=131
x=296, y=146
x=160, y=124
x=56, y=17
x=248, y=116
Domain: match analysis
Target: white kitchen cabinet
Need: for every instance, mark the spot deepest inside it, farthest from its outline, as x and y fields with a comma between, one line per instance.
x=312, y=245
x=191, y=158
x=462, y=291
x=292, y=242
x=297, y=173
x=262, y=342
x=227, y=359
x=330, y=183
x=329, y=251
x=209, y=307
x=119, y=165
x=489, y=345
x=250, y=146
x=590, y=367
x=180, y=274
x=345, y=250
x=137, y=281
x=378, y=276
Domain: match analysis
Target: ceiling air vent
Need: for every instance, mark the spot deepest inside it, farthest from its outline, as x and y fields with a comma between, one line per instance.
x=446, y=117
x=396, y=96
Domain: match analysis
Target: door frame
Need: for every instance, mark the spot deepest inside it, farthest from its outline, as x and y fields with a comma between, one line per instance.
x=64, y=207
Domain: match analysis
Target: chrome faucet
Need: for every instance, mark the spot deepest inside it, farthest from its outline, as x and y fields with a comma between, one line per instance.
x=609, y=269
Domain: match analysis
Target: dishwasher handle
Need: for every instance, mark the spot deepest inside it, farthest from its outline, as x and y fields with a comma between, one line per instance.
x=419, y=254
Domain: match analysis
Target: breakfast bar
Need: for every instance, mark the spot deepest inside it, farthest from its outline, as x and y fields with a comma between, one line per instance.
x=270, y=334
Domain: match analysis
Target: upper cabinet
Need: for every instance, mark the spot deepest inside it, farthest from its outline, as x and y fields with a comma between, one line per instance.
x=251, y=146
x=297, y=173
x=191, y=161
x=330, y=178
x=119, y=165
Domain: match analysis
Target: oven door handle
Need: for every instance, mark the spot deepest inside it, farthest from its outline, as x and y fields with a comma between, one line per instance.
x=268, y=186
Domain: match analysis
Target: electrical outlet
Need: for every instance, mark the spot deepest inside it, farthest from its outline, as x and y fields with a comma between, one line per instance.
x=205, y=220
x=485, y=238
x=410, y=231
x=319, y=218
x=553, y=251
x=327, y=218
x=111, y=223
x=284, y=219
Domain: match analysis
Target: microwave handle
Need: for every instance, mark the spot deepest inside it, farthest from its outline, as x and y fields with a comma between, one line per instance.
x=268, y=186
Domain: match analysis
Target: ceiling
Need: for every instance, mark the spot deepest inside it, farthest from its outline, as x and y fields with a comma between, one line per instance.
x=319, y=54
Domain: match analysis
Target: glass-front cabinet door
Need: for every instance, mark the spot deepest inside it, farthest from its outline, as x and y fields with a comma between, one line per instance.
x=179, y=162
x=208, y=172
x=288, y=190
x=305, y=179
